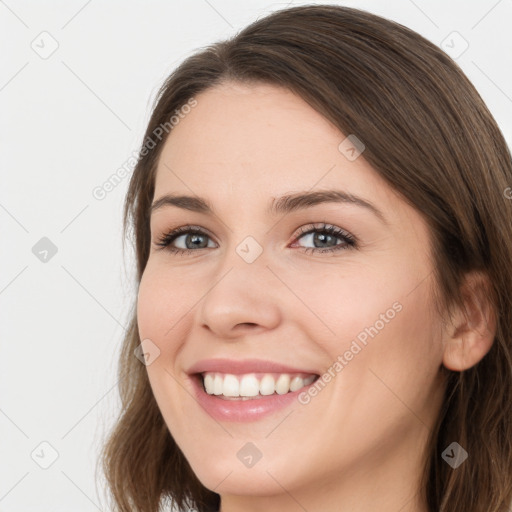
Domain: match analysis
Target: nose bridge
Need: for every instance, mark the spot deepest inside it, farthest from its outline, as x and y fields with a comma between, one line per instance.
x=239, y=293
x=249, y=250
x=245, y=243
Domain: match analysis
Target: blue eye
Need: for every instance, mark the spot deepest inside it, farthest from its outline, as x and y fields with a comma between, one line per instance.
x=194, y=238
x=326, y=234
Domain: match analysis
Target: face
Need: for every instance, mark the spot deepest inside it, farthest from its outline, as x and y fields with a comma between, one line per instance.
x=257, y=288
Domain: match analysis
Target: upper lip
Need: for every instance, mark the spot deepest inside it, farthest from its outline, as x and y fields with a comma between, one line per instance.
x=242, y=366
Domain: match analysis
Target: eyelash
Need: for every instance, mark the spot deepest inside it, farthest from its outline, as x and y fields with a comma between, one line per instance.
x=348, y=239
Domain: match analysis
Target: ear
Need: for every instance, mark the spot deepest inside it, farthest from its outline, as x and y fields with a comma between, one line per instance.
x=473, y=327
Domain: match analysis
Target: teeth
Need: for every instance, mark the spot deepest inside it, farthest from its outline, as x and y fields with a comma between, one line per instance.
x=217, y=385
x=296, y=383
x=231, y=386
x=283, y=384
x=250, y=385
x=267, y=385
x=208, y=383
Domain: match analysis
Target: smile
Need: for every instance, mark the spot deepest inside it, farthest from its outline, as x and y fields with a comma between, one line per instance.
x=253, y=385
x=248, y=390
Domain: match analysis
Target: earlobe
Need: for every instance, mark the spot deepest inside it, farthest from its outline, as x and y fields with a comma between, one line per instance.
x=473, y=327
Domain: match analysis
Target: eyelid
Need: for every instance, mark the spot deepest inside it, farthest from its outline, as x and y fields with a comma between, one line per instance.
x=183, y=230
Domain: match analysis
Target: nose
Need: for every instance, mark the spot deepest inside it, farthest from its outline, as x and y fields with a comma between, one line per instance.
x=243, y=299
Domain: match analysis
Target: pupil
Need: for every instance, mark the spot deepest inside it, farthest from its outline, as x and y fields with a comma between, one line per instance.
x=322, y=237
x=194, y=239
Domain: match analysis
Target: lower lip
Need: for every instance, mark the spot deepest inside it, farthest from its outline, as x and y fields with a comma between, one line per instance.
x=242, y=410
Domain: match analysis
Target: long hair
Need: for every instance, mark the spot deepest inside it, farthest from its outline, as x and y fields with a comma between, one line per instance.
x=429, y=134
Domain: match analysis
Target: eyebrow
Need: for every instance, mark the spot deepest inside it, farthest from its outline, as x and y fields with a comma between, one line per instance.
x=283, y=204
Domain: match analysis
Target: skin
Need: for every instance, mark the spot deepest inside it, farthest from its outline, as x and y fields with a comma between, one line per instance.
x=358, y=444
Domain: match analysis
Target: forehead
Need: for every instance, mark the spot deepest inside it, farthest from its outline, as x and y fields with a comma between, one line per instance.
x=252, y=142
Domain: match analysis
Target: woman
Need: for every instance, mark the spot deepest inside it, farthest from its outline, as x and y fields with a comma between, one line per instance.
x=369, y=373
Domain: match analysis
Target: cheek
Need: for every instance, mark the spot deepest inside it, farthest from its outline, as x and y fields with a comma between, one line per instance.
x=160, y=303
x=399, y=354
x=387, y=368
x=380, y=325
x=339, y=305
x=158, y=312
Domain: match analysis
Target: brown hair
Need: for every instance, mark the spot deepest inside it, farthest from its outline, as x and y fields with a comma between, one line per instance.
x=429, y=134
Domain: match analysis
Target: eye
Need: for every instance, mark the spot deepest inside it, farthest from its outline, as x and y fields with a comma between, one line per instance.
x=195, y=238
x=327, y=235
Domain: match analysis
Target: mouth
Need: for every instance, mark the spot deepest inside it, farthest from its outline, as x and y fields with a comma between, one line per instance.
x=248, y=390
x=253, y=386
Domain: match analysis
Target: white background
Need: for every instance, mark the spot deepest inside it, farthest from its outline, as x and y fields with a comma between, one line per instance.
x=67, y=123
